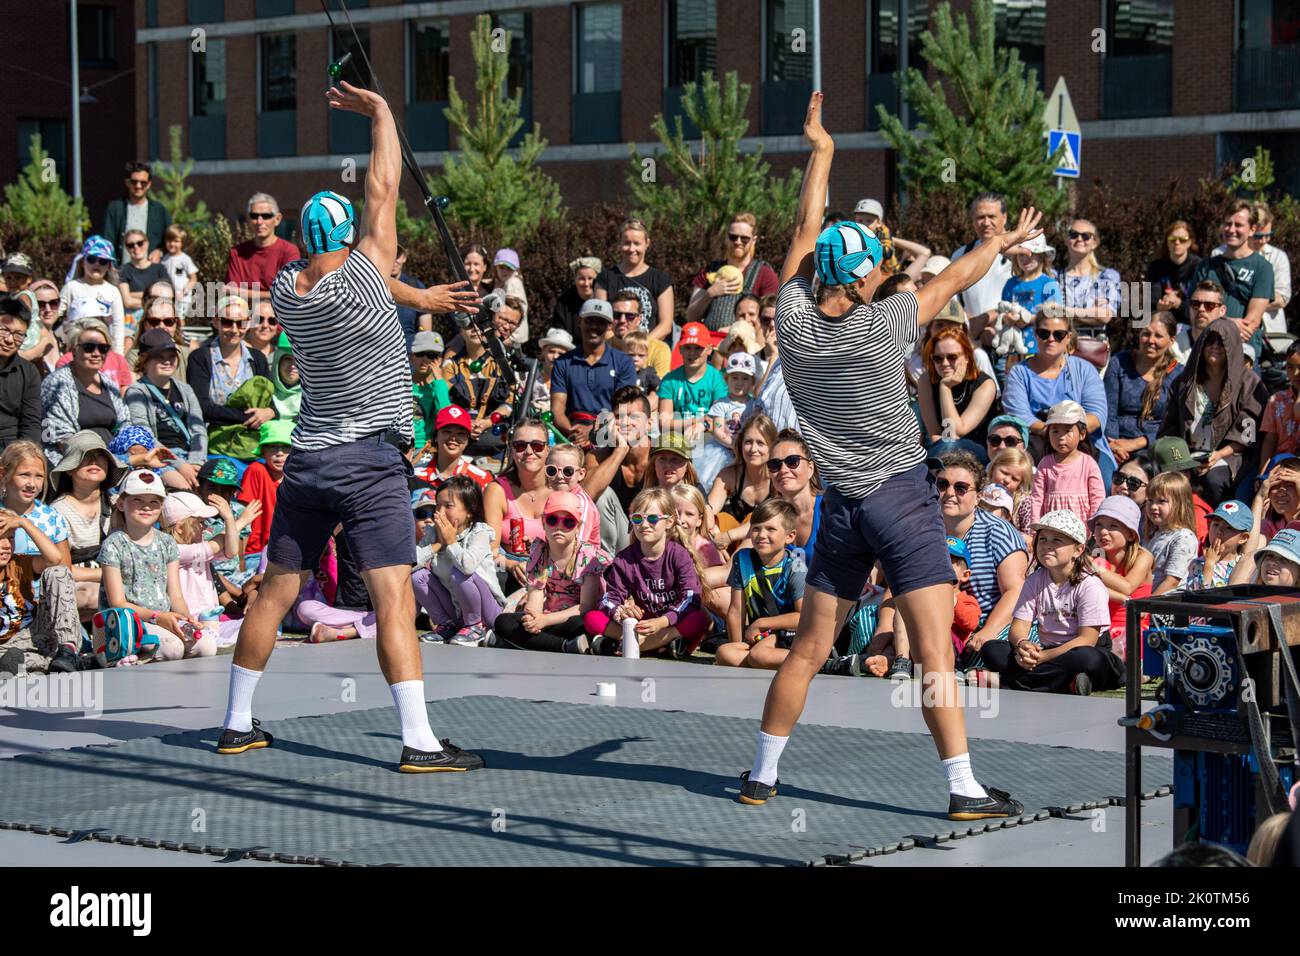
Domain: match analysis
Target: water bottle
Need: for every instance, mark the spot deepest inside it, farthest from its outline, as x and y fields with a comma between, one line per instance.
x=631, y=647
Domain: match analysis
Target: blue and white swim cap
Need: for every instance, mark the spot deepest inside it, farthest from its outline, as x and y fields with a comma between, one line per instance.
x=328, y=223
x=845, y=253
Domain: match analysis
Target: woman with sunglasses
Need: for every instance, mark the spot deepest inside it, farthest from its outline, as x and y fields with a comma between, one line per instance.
x=78, y=397
x=1132, y=477
x=135, y=277
x=1054, y=375
x=1137, y=387
x=167, y=408
x=794, y=477
x=1090, y=292
x=93, y=278
x=1215, y=406
x=263, y=329
x=159, y=312
x=713, y=299
x=1006, y=431
x=1172, y=273
x=956, y=398
x=219, y=367
x=513, y=503
x=41, y=346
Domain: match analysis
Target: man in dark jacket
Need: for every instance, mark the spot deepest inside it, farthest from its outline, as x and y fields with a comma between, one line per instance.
x=20, y=383
x=136, y=211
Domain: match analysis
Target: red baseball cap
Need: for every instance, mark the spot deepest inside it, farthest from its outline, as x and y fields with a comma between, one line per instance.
x=695, y=333
x=452, y=415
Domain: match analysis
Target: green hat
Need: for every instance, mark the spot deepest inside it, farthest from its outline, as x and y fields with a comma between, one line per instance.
x=1172, y=454
x=220, y=471
x=283, y=342
x=674, y=442
x=276, y=432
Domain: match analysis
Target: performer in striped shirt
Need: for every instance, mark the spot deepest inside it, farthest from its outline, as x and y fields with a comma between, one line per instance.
x=338, y=307
x=843, y=364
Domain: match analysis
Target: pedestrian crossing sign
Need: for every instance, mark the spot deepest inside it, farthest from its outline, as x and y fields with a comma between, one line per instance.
x=1068, y=164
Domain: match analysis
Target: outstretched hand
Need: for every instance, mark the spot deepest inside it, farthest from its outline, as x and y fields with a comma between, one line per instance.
x=818, y=138
x=1026, y=228
x=456, y=297
x=354, y=99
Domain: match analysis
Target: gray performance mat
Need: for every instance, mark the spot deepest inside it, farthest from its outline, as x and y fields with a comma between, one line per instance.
x=565, y=785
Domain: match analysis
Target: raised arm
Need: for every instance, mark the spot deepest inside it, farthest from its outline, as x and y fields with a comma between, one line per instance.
x=379, y=236
x=970, y=267
x=812, y=196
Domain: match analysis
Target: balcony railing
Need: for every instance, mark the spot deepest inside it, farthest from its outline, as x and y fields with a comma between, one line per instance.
x=208, y=136
x=1134, y=86
x=785, y=104
x=426, y=125
x=277, y=133
x=597, y=117
x=1267, y=79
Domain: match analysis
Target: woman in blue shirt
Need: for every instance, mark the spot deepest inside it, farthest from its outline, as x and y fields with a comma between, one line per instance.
x=1137, y=387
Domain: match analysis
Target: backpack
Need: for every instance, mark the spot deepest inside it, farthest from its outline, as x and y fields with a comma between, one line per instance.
x=119, y=636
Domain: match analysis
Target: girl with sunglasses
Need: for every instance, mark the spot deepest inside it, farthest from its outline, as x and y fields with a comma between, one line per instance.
x=513, y=503
x=565, y=472
x=654, y=581
x=1053, y=376
x=460, y=591
x=93, y=277
x=564, y=584
x=713, y=292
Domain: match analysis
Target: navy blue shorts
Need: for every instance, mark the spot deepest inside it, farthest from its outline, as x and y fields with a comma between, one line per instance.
x=898, y=524
x=362, y=485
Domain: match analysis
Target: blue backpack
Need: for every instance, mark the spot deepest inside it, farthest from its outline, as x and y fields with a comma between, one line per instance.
x=118, y=634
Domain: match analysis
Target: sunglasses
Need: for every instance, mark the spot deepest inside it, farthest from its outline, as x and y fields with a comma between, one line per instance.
x=138, y=182
x=165, y=323
x=425, y=514
x=961, y=487
x=1085, y=236
x=790, y=461
x=97, y=261
x=553, y=471
x=1180, y=240
x=1199, y=304
x=567, y=522
x=431, y=356
x=233, y=324
x=271, y=321
x=1263, y=235
x=1128, y=481
x=1011, y=441
x=261, y=215
x=743, y=240
x=536, y=447
x=47, y=305
x=652, y=520
x=627, y=315
x=137, y=244
x=94, y=348
x=1059, y=335
x=946, y=359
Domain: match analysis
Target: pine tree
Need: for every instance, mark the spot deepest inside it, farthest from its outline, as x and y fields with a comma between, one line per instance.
x=706, y=190
x=175, y=193
x=38, y=205
x=993, y=137
x=500, y=196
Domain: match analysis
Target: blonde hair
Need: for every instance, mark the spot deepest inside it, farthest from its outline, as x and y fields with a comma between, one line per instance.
x=635, y=225
x=174, y=232
x=663, y=500
x=651, y=479
x=1263, y=845
x=1018, y=459
x=1089, y=262
x=567, y=449
x=1174, y=486
x=187, y=531
x=14, y=455
x=692, y=495
x=636, y=339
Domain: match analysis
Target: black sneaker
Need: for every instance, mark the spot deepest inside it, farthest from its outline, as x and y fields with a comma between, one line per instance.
x=12, y=661
x=1081, y=685
x=64, y=660
x=447, y=760
x=756, y=794
x=901, y=669
x=237, y=741
x=840, y=665
x=998, y=803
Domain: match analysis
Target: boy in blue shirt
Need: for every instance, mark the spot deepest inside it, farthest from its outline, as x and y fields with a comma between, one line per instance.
x=767, y=583
x=686, y=394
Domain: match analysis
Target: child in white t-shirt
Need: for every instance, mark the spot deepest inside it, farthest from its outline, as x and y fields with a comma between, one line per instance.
x=180, y=267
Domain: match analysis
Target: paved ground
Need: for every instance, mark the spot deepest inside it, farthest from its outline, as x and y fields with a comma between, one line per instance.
x=303, y=680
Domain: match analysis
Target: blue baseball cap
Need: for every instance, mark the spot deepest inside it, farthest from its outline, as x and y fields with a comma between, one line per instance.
x=328, y=223
x=957, y=549
x=1285, y=544
x=99, y=247
x=845, y=253
x=1235, y=513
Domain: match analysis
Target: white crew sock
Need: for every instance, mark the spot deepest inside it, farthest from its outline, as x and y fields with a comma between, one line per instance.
x=408, y=696
x=961, y=780
x=766, y=757
x=239, y=705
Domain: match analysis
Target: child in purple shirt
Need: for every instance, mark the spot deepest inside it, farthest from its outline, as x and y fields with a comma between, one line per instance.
x=654, y=581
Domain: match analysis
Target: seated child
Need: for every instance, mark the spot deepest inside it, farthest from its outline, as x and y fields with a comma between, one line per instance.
x=1227, y=533
x=142, y=571
x=766, y=586
x=1282, y=490
x=34, y=633
x=1069, y=603
x=637, y=345
x=564, y=584
x=1121, y=563
x=1276, y=563
x=1170, y=531
x=565, y=471
x=458, y=589
x=653, y=581
x=262, y=479
x=718, y=448
x=689, y=530
x=1013, y=469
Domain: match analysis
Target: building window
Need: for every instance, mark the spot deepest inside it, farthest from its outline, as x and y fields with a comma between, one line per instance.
x=692, y=40
x=519, y=75
x=96, y=46
x=151, y=13
x=208, y=102
x=1267, y=68
x=277, y=95
x=350, y=132
x=1022, y=25
x=207, y=11
x=598, y=73
x=275, y=8
x=1137, y=71
x=429, y=75
x=54, y=140
x=892, y=52
x=787, y=65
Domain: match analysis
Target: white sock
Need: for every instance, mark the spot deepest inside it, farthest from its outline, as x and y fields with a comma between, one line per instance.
x=961, y=780
x=408, y=696
x=766, y=757
x=239, y=705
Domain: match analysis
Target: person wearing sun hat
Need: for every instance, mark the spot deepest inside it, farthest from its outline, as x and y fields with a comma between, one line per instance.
x=881, y=504
x=1121, y=562
x=1070, y=605
x=1277, y=563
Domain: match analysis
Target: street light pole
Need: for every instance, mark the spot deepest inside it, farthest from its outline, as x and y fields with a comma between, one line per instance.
x=76, y=103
